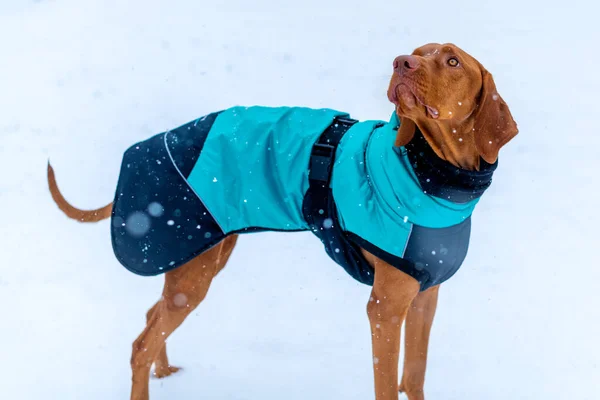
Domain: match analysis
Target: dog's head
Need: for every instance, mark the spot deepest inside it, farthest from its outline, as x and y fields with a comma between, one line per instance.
x=443, y=90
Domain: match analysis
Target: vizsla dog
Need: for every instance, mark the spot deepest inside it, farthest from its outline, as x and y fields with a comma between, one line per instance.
x=442, y=144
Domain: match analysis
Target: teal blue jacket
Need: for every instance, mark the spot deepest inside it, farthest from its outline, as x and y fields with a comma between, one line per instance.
x=253, y=172
x=247, y=169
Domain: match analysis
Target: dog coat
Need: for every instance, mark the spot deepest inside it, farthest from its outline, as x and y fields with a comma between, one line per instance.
x=246, y=170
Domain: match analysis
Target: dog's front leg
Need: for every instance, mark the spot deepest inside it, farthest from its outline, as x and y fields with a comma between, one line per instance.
x=417, y=329
x=393, y=292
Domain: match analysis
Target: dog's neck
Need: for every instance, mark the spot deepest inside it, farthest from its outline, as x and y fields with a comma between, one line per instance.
x=452, y=142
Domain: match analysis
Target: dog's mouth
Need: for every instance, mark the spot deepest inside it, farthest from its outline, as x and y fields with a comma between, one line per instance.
x=403, y=95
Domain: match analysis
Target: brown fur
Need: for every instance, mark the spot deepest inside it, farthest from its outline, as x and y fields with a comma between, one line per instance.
x=482, y=120
x=473, y=121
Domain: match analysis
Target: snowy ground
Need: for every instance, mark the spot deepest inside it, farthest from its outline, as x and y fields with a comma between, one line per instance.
x=81, y=80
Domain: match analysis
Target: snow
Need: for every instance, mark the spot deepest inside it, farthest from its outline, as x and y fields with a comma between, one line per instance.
x=82, y=81
x=156, y=209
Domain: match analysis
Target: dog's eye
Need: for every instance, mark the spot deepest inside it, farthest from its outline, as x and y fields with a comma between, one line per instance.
x=453, y=62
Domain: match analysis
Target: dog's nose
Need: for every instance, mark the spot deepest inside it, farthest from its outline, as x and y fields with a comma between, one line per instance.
x=405, y=63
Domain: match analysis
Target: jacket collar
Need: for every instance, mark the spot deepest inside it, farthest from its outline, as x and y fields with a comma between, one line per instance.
x=440, y=178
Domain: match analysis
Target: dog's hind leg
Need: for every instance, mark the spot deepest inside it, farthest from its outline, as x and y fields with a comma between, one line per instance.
x=185, y=287
x=162, y=368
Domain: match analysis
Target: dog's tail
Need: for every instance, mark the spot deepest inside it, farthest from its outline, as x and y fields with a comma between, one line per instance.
x=69, y=210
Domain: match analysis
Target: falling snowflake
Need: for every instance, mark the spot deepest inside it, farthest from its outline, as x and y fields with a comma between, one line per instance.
x=137, y=224
x=180, y=300
x=155, y=209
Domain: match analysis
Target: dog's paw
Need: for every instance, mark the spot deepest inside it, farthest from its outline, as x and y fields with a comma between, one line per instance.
x=162, y=372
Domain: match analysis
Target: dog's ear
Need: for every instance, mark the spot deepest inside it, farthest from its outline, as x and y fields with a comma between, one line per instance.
x=494, y=125
x=406, y=131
